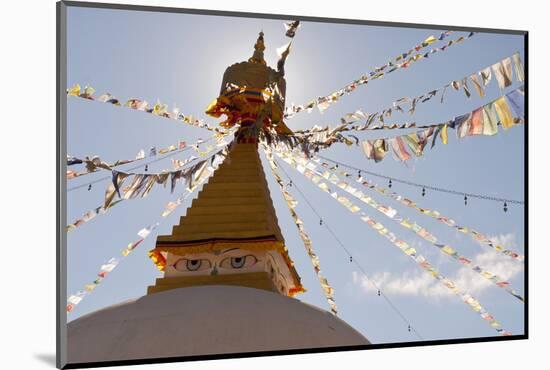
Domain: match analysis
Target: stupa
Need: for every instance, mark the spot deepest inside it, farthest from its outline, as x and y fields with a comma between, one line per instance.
x=228, y=283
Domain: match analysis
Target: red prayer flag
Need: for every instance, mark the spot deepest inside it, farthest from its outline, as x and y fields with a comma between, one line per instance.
x=476, y=123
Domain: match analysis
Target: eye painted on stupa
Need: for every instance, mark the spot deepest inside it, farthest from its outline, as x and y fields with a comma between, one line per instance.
x=185, y=265
x=239, y=262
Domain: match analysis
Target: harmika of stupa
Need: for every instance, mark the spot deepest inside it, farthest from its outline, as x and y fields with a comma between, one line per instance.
x=229, y=282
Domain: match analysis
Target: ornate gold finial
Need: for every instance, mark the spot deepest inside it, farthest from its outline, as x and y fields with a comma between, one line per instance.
x=259, y=47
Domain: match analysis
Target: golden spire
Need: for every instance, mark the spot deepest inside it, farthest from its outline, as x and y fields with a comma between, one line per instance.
x=259, y=47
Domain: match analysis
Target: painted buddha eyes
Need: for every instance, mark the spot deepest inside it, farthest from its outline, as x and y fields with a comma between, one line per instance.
x=231, y=263
x=238, y=262
x=184, y=264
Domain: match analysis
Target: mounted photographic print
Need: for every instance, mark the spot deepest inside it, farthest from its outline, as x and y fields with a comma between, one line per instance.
x=235, y=185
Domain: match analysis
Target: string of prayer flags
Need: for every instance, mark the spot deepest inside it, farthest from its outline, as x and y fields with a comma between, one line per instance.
x=159, y=109
x=92, y=164
x=143, y=233
x=479, y=80
x=142, y=184
x=95, y=163
x=481, y=121
x=309, y=169
x=313, y=139
x=475, y=235
x=403, y=60
x=291, y=28
x=507, y=111
x=411, y=252
x=106, y=269
x=308, y=245
x=376, y=121
x=91, y=214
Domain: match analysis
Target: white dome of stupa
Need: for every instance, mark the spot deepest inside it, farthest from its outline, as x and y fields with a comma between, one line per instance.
x=204, y=320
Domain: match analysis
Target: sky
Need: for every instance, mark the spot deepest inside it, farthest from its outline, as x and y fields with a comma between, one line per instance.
x=179, y=59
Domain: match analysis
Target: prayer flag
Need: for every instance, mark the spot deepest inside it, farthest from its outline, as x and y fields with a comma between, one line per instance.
x=464, y=84
x=503, y=72
x=516, y=99
x=74, y=91
x=444, y=137
x=507, y=69
x=462, y=124
x=504, y=113
x=518, y=67
x=399, y=149
x=477, y=85
x=413, y=143
x=430, y=40
x=380, y=149
x=476, y=125
x=485, y=76
x=140, y=155
x=490, y=120
x=436, y=133
x=368, y=149
x=291, y=28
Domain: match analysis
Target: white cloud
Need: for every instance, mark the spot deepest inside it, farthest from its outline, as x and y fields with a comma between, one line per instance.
x=419, y=283
x=506, y=240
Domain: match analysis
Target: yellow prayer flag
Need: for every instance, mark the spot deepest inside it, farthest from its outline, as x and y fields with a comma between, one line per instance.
x=159, y=109
x=74, y=91
x=323, y=186
x=410, y=251
x=504, y=113
x=354, y=209
x=443, y=134
x=448, y=250
x=430, y=40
